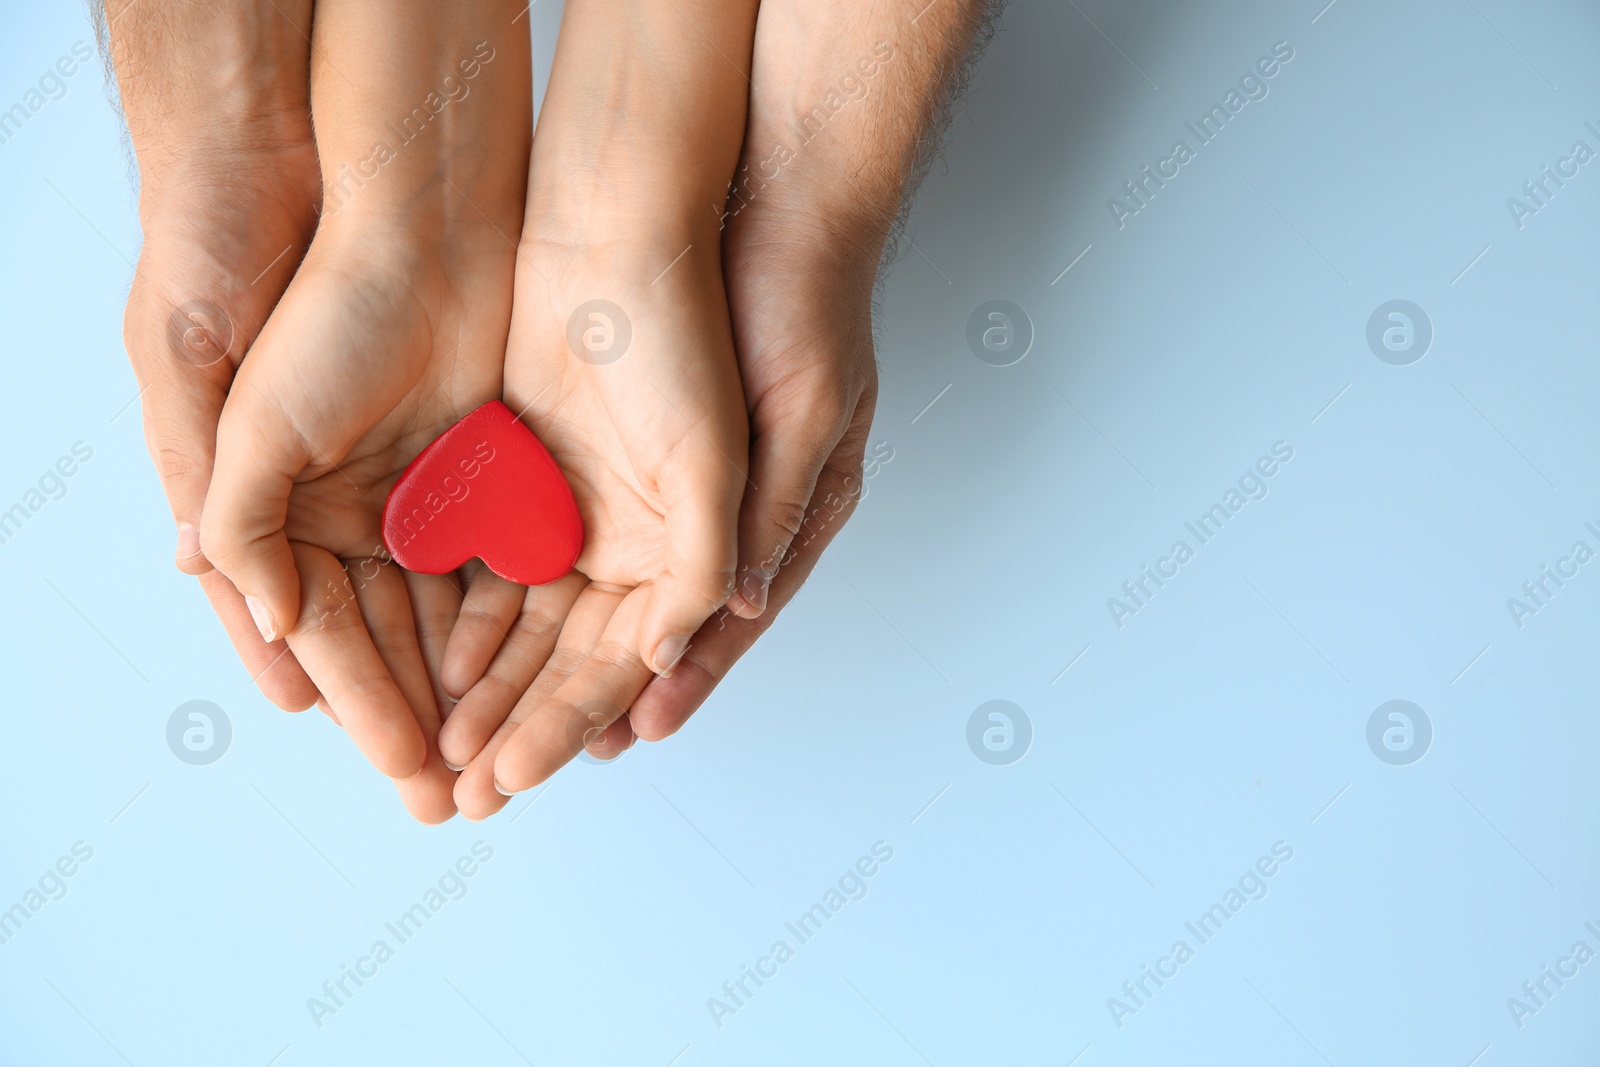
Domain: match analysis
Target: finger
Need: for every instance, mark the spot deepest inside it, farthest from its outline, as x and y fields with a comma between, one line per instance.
x=180, y=423
x=530, y=638
x=272, y=667
x=184, y=352
x=477, y=795
x=592, y=698
x=667, y=702
x=197, y=303
x=785, y=462
x=701, y=497
x=331, y=641
x=187, y=358
x=436, y=604
x=385, y=604
x=241, y=530
x=487, y=613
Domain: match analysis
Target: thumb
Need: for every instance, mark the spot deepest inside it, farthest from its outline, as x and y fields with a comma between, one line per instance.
x=178, y=431
x=785, y=463
x=259, y=452
x=184, y=356
x=702, y=525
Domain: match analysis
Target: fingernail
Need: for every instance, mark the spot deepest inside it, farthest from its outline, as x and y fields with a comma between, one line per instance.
x=188, y=541
x=669, y=652
x=263, y=618
x=502, y=790
x=757, y=597
x=453, y=767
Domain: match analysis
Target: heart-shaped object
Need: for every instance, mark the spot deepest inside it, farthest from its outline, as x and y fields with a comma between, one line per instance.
x=486, y=488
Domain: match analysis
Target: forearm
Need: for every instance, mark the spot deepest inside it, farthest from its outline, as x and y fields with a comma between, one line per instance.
x=207, y=88
x=853, y=98
x=644, y=118
x=423, y=116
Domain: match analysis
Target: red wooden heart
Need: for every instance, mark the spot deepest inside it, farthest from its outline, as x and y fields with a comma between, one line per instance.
x=486, y=488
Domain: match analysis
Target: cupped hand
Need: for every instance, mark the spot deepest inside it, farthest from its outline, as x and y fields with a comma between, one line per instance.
x=802, y=320
x=228, y=200
x=621, y=360
x=803, y=249
x=393, y=328
x=371, y=355
x=648, y=424
x=802, y=310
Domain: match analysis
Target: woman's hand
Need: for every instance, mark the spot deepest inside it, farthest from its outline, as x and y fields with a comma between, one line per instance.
x=393, y=328
x=621, y=360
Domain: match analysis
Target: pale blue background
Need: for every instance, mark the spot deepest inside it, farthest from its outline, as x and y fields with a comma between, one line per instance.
x=1176, y=751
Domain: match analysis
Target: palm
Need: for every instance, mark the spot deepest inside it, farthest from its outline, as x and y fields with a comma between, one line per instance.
x=649, y=442
x=617, y=424
x=404, y=380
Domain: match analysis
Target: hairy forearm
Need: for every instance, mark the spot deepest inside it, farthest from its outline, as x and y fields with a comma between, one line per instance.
x=852, y=104
x=200, y=80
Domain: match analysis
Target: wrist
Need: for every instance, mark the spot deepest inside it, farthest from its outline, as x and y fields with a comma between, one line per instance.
x=424, y=243
x=630, y=232
x=178, y=177
x=644, y=118
x=602, y=186
x=423, y=117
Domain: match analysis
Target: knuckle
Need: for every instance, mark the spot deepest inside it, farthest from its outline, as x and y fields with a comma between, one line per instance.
x=787, y=514
x=815, y=404
x=713, y=585
x=218, y=544
x=433, y=633
x=175, y=464
x=483, y=618
x=612, y=655
x=699, y=672
x=539, y=624
x=564, y=661
x=330, y=609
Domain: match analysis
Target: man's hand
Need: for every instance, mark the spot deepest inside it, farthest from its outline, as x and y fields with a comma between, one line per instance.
x=217, y=105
